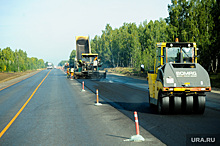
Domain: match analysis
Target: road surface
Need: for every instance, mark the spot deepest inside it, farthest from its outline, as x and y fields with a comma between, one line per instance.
x=49, y=109
x=128, y=95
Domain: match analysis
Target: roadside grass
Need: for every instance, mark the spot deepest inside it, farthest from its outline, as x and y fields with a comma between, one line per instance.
x=6, y=76
x=124, y=70
x=128, y=71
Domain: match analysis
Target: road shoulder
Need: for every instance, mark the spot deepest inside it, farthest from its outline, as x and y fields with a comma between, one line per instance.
x=9, y=82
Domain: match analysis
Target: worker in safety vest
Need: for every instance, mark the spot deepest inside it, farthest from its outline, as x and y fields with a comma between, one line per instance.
x=80, y=63
x=68, y=72
x=95, y=63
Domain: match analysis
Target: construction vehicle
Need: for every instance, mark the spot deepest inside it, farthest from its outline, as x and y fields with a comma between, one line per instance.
x=87, y=64
x=178, y=83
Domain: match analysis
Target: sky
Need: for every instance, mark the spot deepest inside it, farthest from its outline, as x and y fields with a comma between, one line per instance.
x=46, y=29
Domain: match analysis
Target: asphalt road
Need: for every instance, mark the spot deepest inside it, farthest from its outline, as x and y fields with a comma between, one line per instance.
x=128, y=95
x=59, y=113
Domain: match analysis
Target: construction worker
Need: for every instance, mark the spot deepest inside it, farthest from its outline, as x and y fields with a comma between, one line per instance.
x=80, y=63
x=68, y=72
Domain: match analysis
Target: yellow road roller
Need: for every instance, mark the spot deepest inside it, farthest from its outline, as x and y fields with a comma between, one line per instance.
x=178, y=83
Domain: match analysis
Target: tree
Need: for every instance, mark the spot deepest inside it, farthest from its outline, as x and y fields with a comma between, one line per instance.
x=13, y=61
x=189, y=20
x=41, y=63
x=1, y=61
x=62, y=63
x=72, y=58
x=197, y=21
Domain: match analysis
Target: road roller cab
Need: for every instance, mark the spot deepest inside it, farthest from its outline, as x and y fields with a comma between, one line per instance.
x=178, y=83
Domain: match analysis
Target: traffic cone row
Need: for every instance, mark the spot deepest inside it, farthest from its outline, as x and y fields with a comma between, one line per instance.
x=135, y=138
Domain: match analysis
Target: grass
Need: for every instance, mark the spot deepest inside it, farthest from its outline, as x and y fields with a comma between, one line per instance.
x=123, y=70
x=5, y=76
x=128, y=71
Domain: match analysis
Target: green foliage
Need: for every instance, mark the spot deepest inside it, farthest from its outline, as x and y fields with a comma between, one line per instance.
x=41, y=63
x=72, y=58
x=189, y=20
x=197, y=21
x=130, y=46
x=215, y=80
x=16, y=61
x=62, y=63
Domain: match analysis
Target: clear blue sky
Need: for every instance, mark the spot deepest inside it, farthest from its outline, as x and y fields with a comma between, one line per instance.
x=46, y=29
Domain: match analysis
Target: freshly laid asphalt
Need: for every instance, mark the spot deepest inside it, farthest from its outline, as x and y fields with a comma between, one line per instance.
x=59, y=113
x=128, y=94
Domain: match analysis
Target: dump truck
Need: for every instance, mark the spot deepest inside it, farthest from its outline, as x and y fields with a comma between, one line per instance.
x=87, y=64
x=178, y=84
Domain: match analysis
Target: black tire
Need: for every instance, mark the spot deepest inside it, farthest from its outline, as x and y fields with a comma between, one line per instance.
x=199, y=104
x=189, y=104
x=177, y=104
x=163, y=104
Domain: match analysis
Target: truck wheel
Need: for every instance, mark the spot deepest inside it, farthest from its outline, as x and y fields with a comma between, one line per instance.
x=189, y=104
x=177, y=105
x=199, y=106
x=163, y=104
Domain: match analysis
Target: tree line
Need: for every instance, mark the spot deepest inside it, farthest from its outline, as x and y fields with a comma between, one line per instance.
x=62, y=63
x=16, y=61
x=189, y=20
